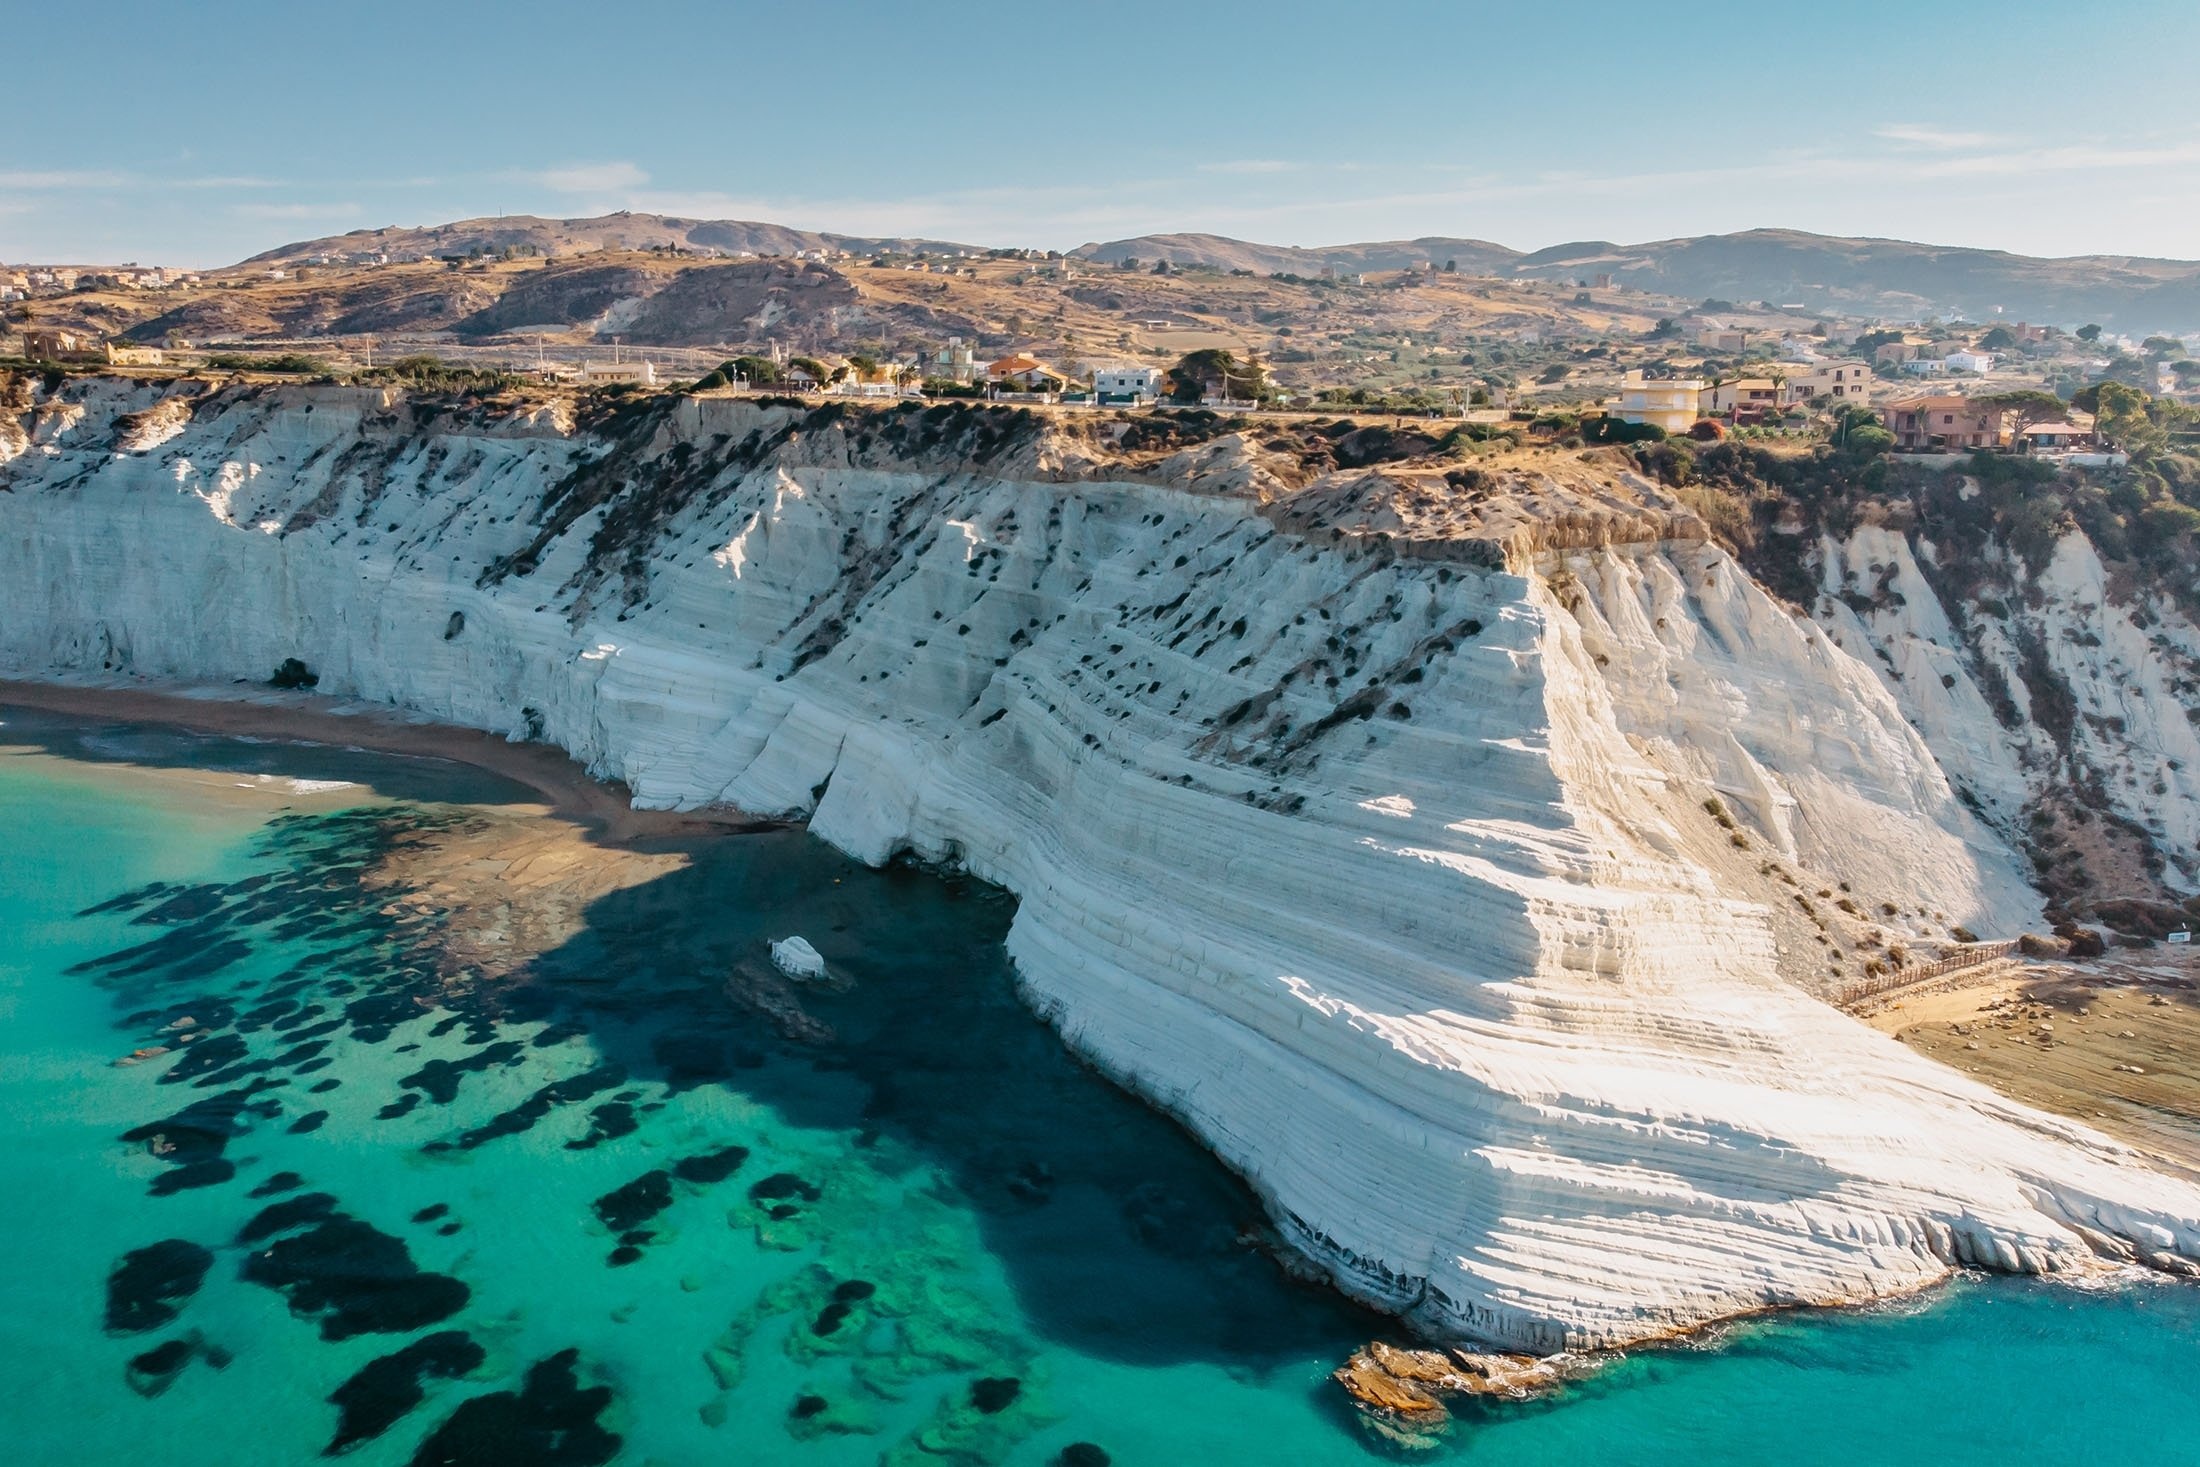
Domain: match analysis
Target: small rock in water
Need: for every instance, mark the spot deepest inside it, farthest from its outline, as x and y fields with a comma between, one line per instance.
x=795, y=957
x=1082, y=1454
x=1401, y=1392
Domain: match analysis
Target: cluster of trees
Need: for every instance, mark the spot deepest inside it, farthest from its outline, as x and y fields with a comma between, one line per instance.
x=758, y=371
x=426, y=372
x=230, y=361
x=1215, y=372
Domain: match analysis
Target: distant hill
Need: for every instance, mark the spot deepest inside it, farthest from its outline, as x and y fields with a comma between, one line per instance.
x=1869, y=277
x=622, y=231
x=1891, y=277
x=1474, y=256
x=1854, y=276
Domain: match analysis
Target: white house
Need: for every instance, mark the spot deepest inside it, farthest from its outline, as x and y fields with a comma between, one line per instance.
x=1970, y=361
x=1134, y=385
x=642, y=372
x=954, y=361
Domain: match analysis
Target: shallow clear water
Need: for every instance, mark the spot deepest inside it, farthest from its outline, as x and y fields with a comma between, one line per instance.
x=939, y=1239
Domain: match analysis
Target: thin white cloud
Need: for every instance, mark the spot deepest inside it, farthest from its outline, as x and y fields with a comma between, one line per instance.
x=62, y=178
x=2075, y=158
x=591, y=178
x=73, y=178
x=1250, y=165
x=1939, y=139
x=296, y=211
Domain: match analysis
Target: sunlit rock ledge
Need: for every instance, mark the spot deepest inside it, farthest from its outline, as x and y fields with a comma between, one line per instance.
x=1462, y=861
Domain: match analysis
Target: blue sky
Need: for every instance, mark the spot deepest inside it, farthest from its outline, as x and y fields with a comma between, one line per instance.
x=200, y=134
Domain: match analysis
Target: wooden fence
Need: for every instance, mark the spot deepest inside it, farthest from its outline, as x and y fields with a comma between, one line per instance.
x=1871, y=986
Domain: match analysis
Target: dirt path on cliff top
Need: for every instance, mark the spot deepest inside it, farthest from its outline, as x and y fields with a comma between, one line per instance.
x=604, y=808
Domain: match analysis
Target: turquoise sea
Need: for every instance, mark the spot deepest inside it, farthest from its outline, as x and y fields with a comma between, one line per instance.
x=614, y=1208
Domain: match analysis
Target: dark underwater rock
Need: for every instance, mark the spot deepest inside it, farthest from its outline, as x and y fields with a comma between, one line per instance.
x=156, y=1370
x=710, y=1166
x=386, y=1388
x=145, y=1288
x=352, y=1277
x=626, y=1208
x=549, y=1422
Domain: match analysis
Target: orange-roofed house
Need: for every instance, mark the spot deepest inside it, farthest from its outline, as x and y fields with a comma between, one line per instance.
x=1026, y=372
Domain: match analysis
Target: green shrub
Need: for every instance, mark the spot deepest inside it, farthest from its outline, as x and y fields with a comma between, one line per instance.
x=1619, y=430
x=2169, y=519
x=293, y=362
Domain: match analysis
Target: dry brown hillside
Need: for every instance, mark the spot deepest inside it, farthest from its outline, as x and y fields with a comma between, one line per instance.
x=1399, y=330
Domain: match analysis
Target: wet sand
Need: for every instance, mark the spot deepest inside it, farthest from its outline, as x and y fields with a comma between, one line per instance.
x=2113, y=1042
x=604, y=808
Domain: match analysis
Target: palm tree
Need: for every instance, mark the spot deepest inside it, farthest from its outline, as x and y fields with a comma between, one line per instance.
x=1719, y=378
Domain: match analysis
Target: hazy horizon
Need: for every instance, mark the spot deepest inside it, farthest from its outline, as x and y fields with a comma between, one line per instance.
x=1283, y=125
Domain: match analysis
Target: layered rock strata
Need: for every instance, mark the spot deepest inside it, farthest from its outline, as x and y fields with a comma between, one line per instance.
x=1467, y=893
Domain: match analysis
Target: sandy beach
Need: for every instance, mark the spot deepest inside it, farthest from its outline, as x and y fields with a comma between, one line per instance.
x=2114, y=1042
x=510, y=881
x=602, y=807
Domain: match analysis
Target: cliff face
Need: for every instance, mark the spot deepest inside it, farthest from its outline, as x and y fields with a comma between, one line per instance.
x=1469, y=901
x=2060, y=697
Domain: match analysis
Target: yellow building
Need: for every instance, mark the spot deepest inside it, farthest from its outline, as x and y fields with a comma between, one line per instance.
x=1670, y=403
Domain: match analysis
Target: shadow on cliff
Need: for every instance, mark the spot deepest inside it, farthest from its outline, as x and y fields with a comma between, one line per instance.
x=1119, y=1233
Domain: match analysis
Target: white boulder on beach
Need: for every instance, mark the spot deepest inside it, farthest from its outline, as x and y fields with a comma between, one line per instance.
x=795, y=957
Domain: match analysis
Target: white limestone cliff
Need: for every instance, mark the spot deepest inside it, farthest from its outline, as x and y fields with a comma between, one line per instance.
x=1389, y=872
